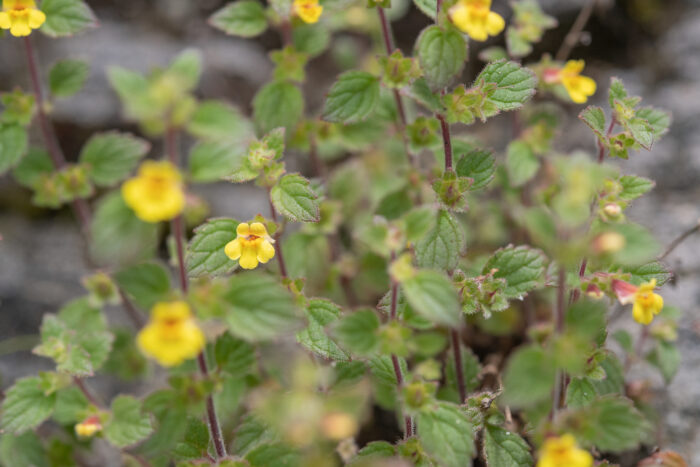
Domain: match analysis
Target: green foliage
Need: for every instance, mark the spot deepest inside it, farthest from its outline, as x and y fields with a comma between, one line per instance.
x=441, y=53
x=441, y=247
x=127, y=424
x=67, y=77
x=505, y=448
x=244, y=18
x=66, y=17
x=431, y=294
x=26, y=405
x=293, y=197
x=205, y=253
x=358, y=332
x=479, y=165
x=277, y=104
x=521, y=267
x=352, y=98
x=529, y=377
x=321, y=313
x=13, y=145
x=441, y=428
x=145, y=283
x=111, y=157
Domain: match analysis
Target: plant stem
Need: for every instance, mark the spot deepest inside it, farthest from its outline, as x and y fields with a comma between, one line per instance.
x=86, y=392
x=678, y=240
x=559, y=314
x=574, y=34
x=601, y=146
x=408, y=423
x=457, y=350
x=446, y=141
x=179, y=234
x=277, y=236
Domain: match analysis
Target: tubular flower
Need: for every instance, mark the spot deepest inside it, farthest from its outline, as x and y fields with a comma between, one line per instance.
x=172, y=335
x=308, y=10
x=563, y=452
x=251, y=246
x=580, y=88
x=88, y=427
x=475, y=18
x=155, y=193
x=20, y=17
x=646, y=303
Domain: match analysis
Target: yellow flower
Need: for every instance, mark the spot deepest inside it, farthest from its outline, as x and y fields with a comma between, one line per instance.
x=475, y=18
x=308, y=10
x=155, y=193
x=563, y=452
x=647, y=304
x=580, y=88
x=252, y=245
x=88, y=427
x=172, y=336
x=20, y=17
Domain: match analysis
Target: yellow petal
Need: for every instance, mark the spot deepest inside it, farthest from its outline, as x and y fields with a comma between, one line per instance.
x=459, y=14
x=641, y=314
x=243, y=229
x=658, y=303
x=573, y=67
x=258, y=229
x=249, y=258
x=5, y=22
x=580, y=458
x=20, y=29
x=587, y=85
x=494, y=23
x=36, y=18
x=233, y=249
x=265, y=251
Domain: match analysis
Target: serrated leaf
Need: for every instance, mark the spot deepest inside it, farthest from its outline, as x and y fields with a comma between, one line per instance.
x=252, y=318
x=358, y=331
x=432, y=295
x=641, y=131
x=26, y=405
x=311, y=40
x=277, y=104
x=217, y=121
x=67, y=77
x=479, y=165
x=145, y=283
x=321, y=313
x=579, y=393
x=647, y=272
x=427, y=7
x=111, y=157
x=127, y=424
x=659, y=120
x=32, y=167
x=71, y=406
x=445, y=433
x=382, y=369
x=515, y=84
x=293, y=197
x=212, y=161
x=13, y=145
x=522, y=267
x=614, y=381
x=196, y=441
x=205, y=253
x=66, y=17
x=420, y=91
x=594, y=117
x=504, y=448
x=250, y=433
x=521, y=163
x=234, y=356
x=273, y=455
x=442, y=246
x=614, y=424
x=24, y=450
x=617, y=91
x=118, y=237
x=633, y=187
x=244, y=18
x=441, y=53
x=529, y=377
x=352, y=97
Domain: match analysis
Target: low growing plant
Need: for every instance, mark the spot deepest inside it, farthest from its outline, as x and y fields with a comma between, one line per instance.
x=415, y=298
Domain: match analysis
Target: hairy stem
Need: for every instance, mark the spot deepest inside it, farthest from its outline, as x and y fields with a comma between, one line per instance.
x=408, y=423
x=86, y=392
x=446, y=141
x=278, y=242
x=559, y=314
x=574, y=33
x=457, y=350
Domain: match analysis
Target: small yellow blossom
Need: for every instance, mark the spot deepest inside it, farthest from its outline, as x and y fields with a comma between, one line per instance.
x=88, y=427
x=172, y=336
x=580, y=88
x=155, y=193
x=308, y=10
x=475, y=18
x=251, y=246
x=563, y=452
x=646, y=303
x=20, y=17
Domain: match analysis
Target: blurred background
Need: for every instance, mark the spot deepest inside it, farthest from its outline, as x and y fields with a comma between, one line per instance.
x=653, y=45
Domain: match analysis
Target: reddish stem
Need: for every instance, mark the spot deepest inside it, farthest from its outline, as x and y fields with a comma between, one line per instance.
x=457, y=350
x=408, y=428
x=278, y=242
x=446, y=141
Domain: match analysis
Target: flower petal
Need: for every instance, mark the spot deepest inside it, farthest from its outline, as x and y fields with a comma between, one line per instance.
x=494, y=23
x=249, y=258
x=265, y=251
x=641, y=314
x=243, y=229
x=36, y=18
x=233, y=249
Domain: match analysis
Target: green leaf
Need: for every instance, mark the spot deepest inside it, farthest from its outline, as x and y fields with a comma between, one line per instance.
x=521, y=163
x=127, y=424
x=234, y=356
x=382, y=369
x=118, y=237
x=667, y=358
x=196, y=441
x=633, y=187
x=32, y=167
x=67, y=77
x=505, y=448
x=427, y=7
x=273, y=455
x=641, y=131
x=293, y=197
x=66, y=17
x=529, y=377
x=321, y=313
x=442, y=247
x=441, y=53
x=658, y=120
x=145, y=283
x=358, y=332
x=205, y=253
x=277, y=104
x=26, y=405
x=617, y=91
x=13, y=145
x=471, y=368
x=522, y=267
x=217, y=121
x=24, y=450
x=479, y=165
x=111, y=157
x=311, y=40
x=251, y=432
x=614, y=381
x=259, y=308
x=352, y=98
x=594, y=117
x=579, y=393
x=515, y=84
x=445, y=432
x=432, y=295
x=212, y=161
x=647, y=272
x=613, y=424
x=244, y=18
x=640, y=245
x=71, y=406
x=420, y=91
x=186, y=69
